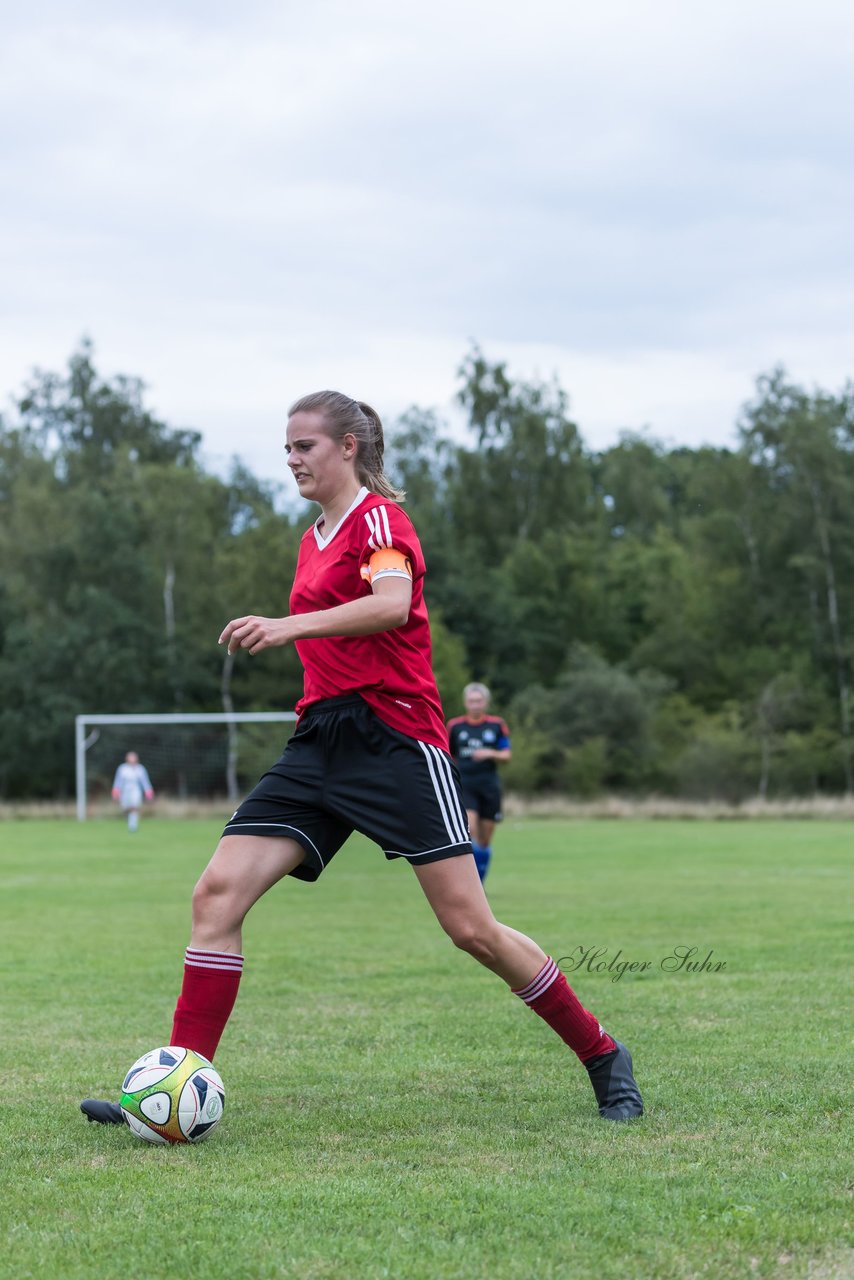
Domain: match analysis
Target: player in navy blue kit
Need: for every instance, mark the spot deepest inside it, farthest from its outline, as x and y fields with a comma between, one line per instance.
x=478, y=742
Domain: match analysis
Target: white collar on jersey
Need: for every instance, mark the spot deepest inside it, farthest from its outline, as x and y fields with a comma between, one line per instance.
x=318, y=536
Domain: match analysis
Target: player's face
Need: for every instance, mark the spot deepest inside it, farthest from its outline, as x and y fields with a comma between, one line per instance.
x=320, y=464
x=475, y=704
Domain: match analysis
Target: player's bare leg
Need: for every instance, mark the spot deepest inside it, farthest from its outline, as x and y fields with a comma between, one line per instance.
x=240, y=872
x=480, y=830
x=455, y=893
x=485, y=828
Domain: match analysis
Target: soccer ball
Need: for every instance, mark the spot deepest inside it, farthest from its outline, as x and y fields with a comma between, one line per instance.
x=172, y=1095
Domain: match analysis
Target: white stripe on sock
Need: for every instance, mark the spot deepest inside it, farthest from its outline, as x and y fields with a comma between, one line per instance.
x=544, y=979
x=227, y=960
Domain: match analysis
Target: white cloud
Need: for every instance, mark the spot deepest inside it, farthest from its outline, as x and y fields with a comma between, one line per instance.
x=652, y=200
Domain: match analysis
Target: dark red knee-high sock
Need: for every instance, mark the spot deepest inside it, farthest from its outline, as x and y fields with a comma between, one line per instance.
x=551, y=996
x=208, y=993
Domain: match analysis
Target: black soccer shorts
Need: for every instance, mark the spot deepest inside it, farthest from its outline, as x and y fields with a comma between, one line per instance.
x=344, y=770
x=483, y=797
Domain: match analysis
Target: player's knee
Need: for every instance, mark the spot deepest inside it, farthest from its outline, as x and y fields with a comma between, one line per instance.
x=474, y=938
x=210, y=894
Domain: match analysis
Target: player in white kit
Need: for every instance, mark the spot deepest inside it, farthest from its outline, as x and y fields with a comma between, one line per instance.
x=131, y=786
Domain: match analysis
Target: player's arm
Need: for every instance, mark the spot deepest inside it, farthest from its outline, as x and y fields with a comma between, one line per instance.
x=500, y=752
x=384, y=609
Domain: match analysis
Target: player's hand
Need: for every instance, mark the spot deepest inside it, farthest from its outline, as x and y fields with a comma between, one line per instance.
x=149, y=795
x=115, y=793
x=482, y=753
x=254, y=634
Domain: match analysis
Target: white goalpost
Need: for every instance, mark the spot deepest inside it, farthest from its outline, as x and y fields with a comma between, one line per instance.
x=193, y=755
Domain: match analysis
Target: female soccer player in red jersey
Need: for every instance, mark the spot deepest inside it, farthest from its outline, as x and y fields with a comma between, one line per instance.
x=370, y=753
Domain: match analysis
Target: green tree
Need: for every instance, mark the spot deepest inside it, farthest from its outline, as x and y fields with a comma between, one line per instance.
x=114, y=563
x=804, y=447
x=599, y=719
x=528, y=472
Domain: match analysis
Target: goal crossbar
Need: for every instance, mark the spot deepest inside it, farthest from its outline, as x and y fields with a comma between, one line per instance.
x=82, y=739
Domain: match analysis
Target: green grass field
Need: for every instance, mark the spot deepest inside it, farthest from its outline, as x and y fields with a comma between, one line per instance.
x=391, y=1110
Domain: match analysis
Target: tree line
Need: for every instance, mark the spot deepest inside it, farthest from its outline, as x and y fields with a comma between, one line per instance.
x=649, y=618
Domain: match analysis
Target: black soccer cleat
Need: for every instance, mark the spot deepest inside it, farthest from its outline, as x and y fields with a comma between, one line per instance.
x=102, y=1112
x=614, y=1085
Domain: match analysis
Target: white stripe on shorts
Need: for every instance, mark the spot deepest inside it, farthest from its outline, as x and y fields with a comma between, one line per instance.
x=302, y=838
x=454, y=802
x=424, y=853
x=446, y=795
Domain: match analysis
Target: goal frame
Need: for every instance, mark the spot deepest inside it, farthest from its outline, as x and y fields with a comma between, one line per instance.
x=83, y=740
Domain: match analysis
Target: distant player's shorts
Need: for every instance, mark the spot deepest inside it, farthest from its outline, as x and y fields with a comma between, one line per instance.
x=345, y=770
x=483, y=797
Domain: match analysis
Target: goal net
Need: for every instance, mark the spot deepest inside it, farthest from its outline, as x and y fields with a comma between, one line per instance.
x=194, y=761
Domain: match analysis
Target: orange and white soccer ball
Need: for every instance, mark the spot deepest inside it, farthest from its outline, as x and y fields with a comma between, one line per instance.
x=172, y=1095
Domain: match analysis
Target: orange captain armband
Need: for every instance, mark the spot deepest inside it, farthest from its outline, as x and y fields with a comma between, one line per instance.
x=387, y=563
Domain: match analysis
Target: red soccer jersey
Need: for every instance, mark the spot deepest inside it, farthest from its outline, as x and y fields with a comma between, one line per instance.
x=390, y=669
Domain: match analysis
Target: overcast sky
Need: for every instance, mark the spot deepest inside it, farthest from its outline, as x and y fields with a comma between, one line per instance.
x=243, y=203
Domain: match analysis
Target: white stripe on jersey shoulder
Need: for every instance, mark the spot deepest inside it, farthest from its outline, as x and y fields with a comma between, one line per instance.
x=380, y=529
x=318, y=536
